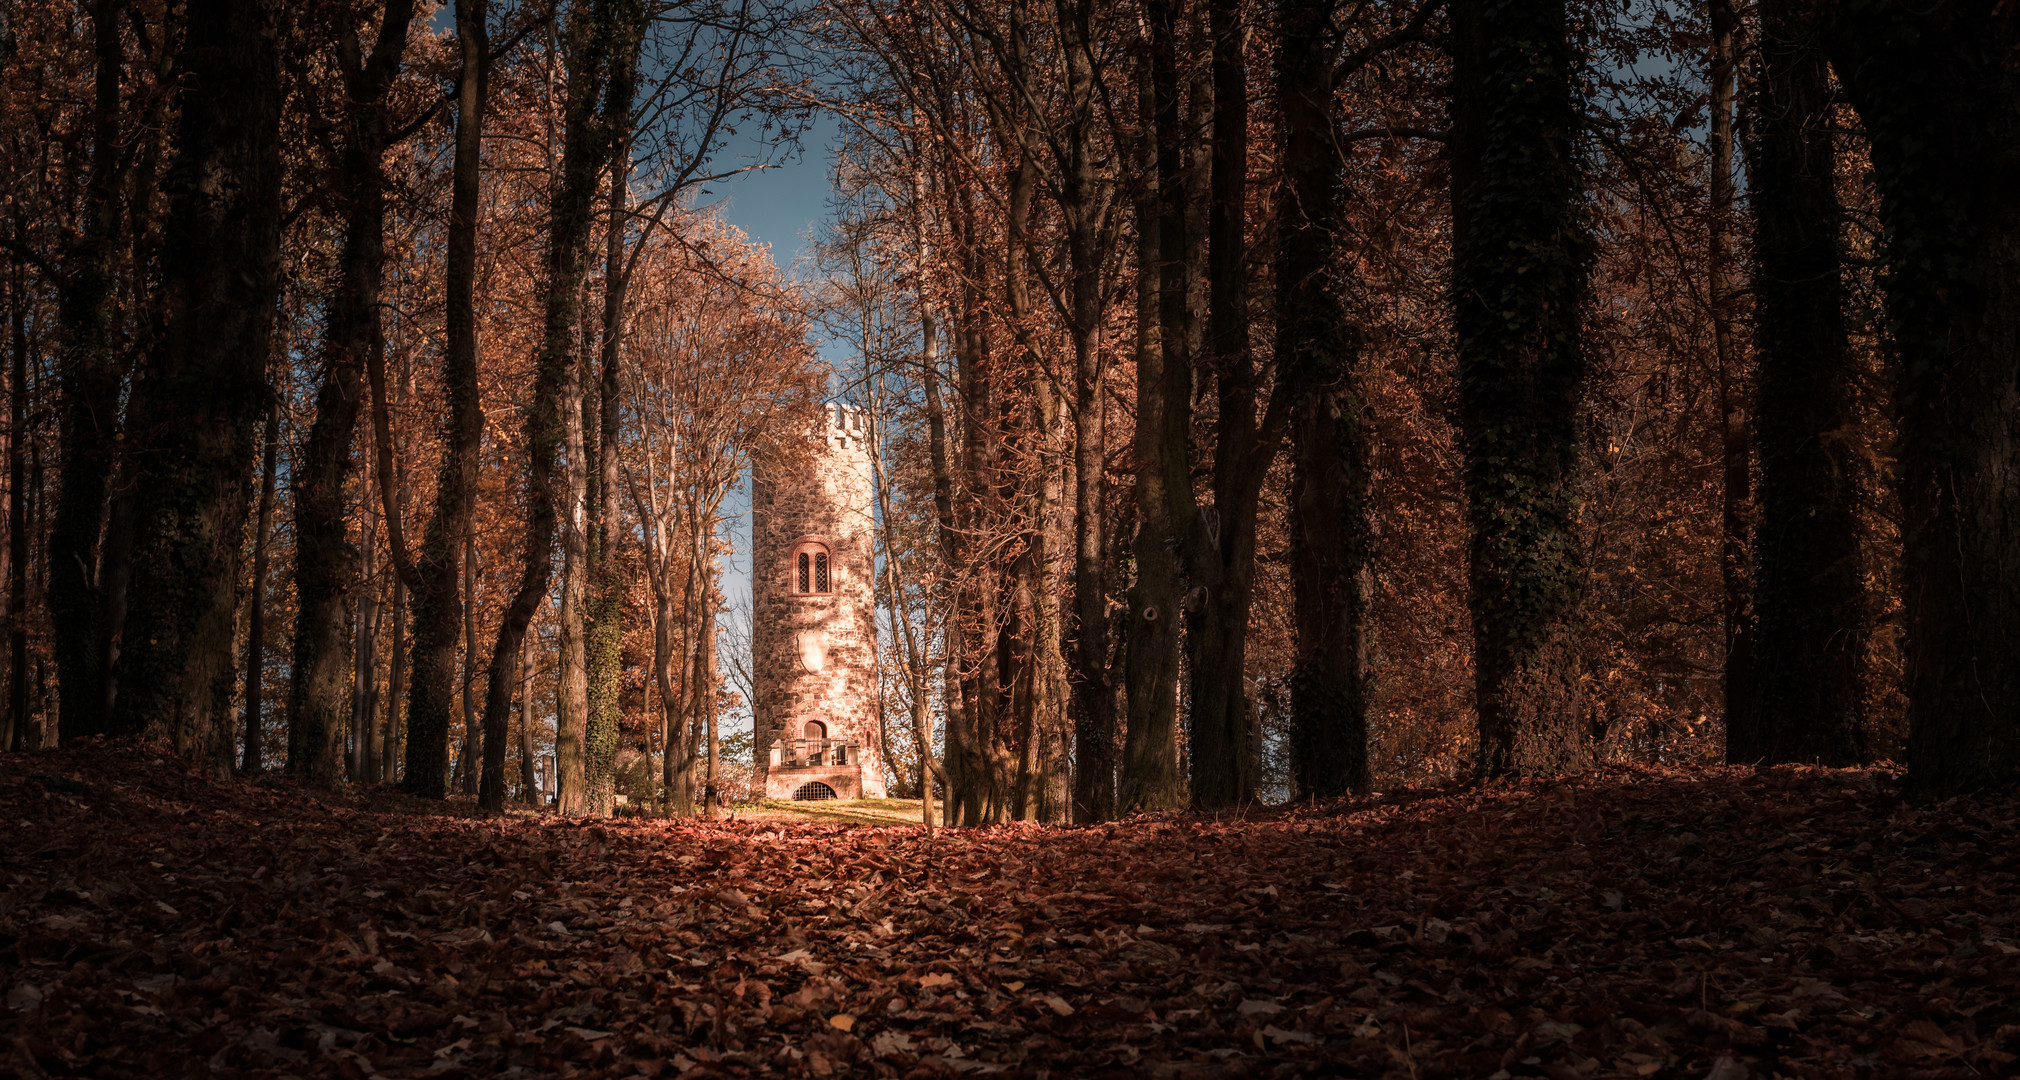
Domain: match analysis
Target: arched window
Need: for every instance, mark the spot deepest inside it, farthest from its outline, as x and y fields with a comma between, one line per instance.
x=812, y=570
x=813, y=791
x=816, y=730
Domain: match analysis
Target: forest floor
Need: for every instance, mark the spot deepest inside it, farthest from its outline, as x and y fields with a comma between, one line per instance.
x=1713, y=924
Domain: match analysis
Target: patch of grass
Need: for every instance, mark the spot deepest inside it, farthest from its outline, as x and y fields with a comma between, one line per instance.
x=837, y=811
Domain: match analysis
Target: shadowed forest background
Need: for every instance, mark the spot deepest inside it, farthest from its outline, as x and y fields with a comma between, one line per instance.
x=1274, y=399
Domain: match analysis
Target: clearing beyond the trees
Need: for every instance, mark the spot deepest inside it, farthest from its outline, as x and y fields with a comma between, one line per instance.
x=1625, y=922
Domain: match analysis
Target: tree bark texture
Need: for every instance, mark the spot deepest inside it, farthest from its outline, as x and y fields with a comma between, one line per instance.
x=606, y=585
x=431, y=577
x=940, y=454
x=17, y=510
x=1735, y=430
x=1220, y=545
x=1520, y=259
x=576, y=790
x=1937, y=90
x=1316, y=350
x=197, y=406
x=1083, y=201
x=89, y=384
x=250, y=761
x=366, y=745
x=353, y=338
x=396, y=681
x=599, y=32
x=1150, y=779
x=468, y=755
x=1810, y=624
x=529, y=776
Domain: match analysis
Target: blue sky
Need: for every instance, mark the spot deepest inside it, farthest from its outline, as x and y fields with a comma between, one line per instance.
x=779, y=206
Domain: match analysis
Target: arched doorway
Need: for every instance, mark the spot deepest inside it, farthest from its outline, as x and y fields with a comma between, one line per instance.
x=813, y=791
x=815, y=730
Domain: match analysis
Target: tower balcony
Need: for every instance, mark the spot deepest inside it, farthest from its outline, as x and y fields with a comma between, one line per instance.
x=808, y=769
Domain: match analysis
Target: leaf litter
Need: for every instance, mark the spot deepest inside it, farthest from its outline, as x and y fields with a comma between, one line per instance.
x=1715, y=924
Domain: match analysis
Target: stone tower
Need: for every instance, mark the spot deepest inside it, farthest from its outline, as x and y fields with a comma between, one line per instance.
x=813, y=625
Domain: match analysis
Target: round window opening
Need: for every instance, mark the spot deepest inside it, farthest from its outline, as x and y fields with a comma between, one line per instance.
x=813, y=791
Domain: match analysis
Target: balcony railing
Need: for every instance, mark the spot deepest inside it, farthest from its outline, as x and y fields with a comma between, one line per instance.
x=812, y=753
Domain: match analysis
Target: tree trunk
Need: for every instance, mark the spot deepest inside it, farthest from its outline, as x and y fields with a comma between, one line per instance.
x=439, y=611
x=1081, y=202
x=948, y=533
x=662, y=676
x=454, y=521
x=466, y=755
x=256, y=622
x=710, y=797
x=1220, y=548
x=365, y=747
x=89, y=381
x=1163, y=439
x=940, y=453
x=605, y=661
x=396, y=681
x=197, y=405
x=1936, y=90
x=326, y=572
x=1317, y=352
x=325, y=564
x=603, y=46
x=1519, y=266
x=17, y=509
x=1810, y=625
x=1027, y=644
x=577, y=778
x=1735, y=435
x=529, y=776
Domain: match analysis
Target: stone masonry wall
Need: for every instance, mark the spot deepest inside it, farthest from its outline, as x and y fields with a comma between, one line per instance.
x=814, y=656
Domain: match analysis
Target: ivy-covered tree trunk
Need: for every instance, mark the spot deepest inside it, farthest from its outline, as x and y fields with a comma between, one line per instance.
x=1316, y=352
x=600, y=34
x=1520, y=259
x=606, y=584
x=89, y=384
x=1940, y=98
x=197, y=406
x=326, y=565
x=1810, y=626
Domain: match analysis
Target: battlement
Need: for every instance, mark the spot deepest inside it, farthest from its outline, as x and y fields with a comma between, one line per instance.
x=847, y=426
